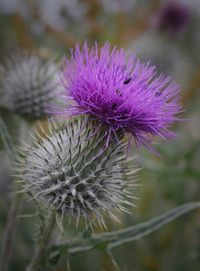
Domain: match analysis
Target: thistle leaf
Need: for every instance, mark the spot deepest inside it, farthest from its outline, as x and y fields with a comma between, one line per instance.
x=143, y=229
x=110, y=240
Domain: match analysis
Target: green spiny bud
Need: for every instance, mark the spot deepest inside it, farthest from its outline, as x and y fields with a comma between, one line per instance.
x=28, y=85
x=73, y=172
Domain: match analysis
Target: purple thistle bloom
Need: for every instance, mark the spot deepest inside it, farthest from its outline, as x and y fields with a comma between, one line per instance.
x=174, y=18
x=121, y=92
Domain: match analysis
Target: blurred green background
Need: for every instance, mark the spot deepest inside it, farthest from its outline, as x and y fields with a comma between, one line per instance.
x=168, y=34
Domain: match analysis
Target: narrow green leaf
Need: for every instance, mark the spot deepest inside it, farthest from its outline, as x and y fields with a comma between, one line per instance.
x=143, y=229
x=108, y=241
x=59, y=223
x=7, y=140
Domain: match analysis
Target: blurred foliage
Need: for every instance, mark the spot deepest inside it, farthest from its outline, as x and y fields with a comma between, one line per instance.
x=167, y=180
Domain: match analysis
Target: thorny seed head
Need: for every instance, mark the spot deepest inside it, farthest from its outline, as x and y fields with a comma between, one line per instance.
x=71, y=171
x=28, y=85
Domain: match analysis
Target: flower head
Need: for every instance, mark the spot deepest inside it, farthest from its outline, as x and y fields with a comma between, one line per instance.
x=173, y=17
x=70, y=171
x=121, y=92
x=28, y=85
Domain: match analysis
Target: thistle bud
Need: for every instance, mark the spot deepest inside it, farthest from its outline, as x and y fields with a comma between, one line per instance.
x=72, y=171
x=28, y=85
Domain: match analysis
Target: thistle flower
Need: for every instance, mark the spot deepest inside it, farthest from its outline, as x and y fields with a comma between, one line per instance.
x=174, y=18
x=27, y=85
x=70, y=171
x=121, y=92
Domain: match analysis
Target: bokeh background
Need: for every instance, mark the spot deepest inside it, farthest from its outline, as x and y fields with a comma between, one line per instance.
x=168, y=34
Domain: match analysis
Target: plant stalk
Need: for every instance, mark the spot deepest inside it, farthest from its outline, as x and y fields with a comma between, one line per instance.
x=13, y=214
x=9, y=233
x=42, y=246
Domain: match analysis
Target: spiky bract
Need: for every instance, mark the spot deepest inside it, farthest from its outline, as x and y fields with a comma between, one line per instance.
x=28, y=85
x=71, y=171
x=120, y=91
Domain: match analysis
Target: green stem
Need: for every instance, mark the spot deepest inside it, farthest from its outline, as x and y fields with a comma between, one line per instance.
x=42, y=246
x=13, y=214
x=9, y=233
